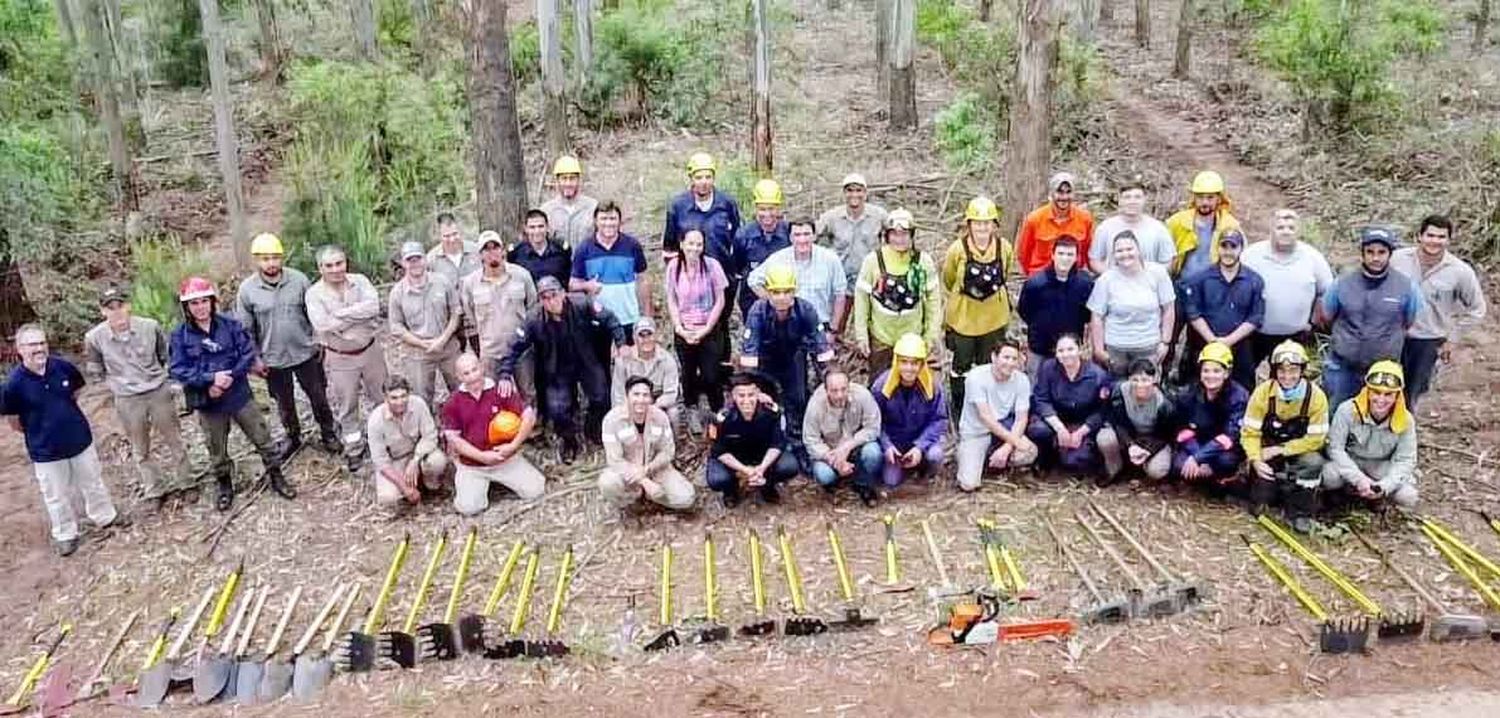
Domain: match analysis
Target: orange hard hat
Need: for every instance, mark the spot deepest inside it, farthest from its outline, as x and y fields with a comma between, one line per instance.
x=504, y=426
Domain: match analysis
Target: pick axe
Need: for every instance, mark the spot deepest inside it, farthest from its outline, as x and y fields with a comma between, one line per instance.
x=714, y=631
x=356, y=651
x=1103, y=611
x=946, y=588
x=800, y=624
x=668, y=637
x=1142, y=604
x=439, y=641
x=761, y=626
x=1189, y=593
x=515, y=645
x=853, y=619
x=471, y=627
x=1448, y=626
x=893, y=582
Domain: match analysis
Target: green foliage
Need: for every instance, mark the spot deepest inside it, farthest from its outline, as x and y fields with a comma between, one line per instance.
x=158, y=266
x=396, y=26
x=183, y=61
x=967, y=135
x=1079, y=89
x=38, y=196
x=525, y=53
x=981, y=56
x=1337, y=54
x=736, y=179
x=35, y=66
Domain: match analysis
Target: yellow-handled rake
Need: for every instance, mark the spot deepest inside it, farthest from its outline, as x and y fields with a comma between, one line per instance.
x=551, y=646
x=713, y=631
x=761, y=626
x=471, y=632
x=800, y=624
x=439, y=641
x=356, y=650
x=1342, y=636
x=668, y=637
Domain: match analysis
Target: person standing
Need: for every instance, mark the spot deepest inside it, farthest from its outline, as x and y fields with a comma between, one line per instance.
x=842, y=432
x=130, y=354
x=1225, y=304
x=1296, y=276
x=40, y=400
x=1454, y=302
x=404, y=447
x=706, y=209
x=993, y=419
x=1152, y=235
x=541, y=255
x=781, y=334
x=852, y=229
x=898, y=293
x=820, y=275
x=638, y=451
x=652, y=362
x=211, y=358
x=497, y=299
x=757, y=241
x=1054, y=302
x=272, y=306
x=976, y=304
x=1196, y=231
x=482, y=460
x=913, y=414
x=1131, y=310
x=454, y=258
x=425, y=318
x=610, y=267
x=1369, y=312
x=695, y=287
x=1041, y=228
x=345, y=312
x=569, y=214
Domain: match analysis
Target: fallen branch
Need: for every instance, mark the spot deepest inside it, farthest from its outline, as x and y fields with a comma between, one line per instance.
x=217, y=533
x=1481, y=459
x=556, y=494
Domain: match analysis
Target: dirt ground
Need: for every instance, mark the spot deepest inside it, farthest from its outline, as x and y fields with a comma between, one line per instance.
x=1247, y=651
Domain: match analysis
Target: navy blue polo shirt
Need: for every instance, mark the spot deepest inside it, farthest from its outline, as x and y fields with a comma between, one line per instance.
x=56, y=429
x=1224, y=304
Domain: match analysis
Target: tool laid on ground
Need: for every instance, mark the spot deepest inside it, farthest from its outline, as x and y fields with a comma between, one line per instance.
x=1493, y=522
x=514, y=646
x=356, y=651
x=212, y=675
x=1143, y=602
x=246, y=674
x=471, y=627
x=946, y=587
x=312, y=672
x=1391, y=626
x=668, y=637
x=439, y=641
x=53, y=698
x=1468, y=551
x=977, y=621
x=1448, y=626
x=800, y=624
x=761, y=626
x=552, y=646
x=1103, y=611
x=1189, y=593
x=1002, y=560
x=1346, y=636
x=1452, y=554
x=853, y=618
x=712, y=631
x=38, y=668
x=893, y=583
x=275, y=674
x=156, y=675
x=401, y=646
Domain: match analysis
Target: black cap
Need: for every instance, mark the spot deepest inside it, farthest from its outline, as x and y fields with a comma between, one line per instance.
x=112, y=295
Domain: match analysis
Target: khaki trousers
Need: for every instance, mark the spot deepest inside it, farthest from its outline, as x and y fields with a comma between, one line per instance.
x=430, y=475
x=673, y=490
x=974, y=456
x=349, y=376
x=61, y=480
x=141, y=415
x=420, y=368
x=471, y=484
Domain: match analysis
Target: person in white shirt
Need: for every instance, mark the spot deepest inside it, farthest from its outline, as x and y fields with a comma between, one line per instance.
x=1156, y=245
x=1453, y=302
x=1296, y=276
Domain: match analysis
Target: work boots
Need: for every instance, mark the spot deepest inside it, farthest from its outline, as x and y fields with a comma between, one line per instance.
x=279, y=483
x=224, y=496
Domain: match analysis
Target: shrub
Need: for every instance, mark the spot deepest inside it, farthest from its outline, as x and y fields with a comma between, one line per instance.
x=182, y=61
x=158, y=266
x=980, y=56
x=38, y=197
x=526, y=52
x=966, y=135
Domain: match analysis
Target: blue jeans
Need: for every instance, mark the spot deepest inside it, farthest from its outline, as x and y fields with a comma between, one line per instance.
x=1341, y=380
x=721, y=479
x=867, y=461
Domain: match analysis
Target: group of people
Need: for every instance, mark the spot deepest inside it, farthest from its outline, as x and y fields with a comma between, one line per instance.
x=558, y=327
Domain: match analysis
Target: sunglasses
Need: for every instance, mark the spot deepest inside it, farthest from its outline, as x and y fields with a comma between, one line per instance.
x=1385, y=381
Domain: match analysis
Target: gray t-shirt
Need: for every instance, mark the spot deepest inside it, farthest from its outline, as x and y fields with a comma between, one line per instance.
x=1004, y=398
x=1131, y=306
x=1293, y=284
x=1152, y=236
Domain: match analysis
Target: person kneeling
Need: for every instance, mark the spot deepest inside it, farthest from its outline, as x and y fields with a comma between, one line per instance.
x=992, y=423
x=1209, y=413
x=485, y=454
x=749, y=445
x=1071, y=395
x=1137, y=432
x=1285, y=427
x=638, y=452
x=913, y=413
x=1372, y=444
x=404, y=446
x=842, y=433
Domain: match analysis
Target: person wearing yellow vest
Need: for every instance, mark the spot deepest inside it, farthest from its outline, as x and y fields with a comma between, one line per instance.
x=1283, y=433
x=976, y=307
x=896, y=293
x=1372, y=442
x=1196, y=230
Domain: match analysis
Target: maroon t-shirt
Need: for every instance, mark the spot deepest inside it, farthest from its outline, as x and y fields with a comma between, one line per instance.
x=470, y=416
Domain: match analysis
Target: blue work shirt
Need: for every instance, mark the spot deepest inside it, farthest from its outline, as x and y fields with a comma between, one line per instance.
x=719, y=225
x=1208, y=418
x=1081, y=400
x=778, y=342
x=618, y=268
x=198, y=355
x=47, y=404
x=1052, y=307
x=752, y=246
x=1225, y=304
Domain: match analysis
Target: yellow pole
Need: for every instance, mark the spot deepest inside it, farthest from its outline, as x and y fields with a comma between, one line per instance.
x=456, y=594
x=372, y=622
x=434, y=558
x=564, y=575
x=523, y=602
x=502, y=582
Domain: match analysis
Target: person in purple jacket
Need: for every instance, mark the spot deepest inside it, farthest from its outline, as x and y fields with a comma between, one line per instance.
x=913, y=413
x=1070, y=397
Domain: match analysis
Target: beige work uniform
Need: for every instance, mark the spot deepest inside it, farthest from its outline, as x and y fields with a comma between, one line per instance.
x=651, y=447
x=346, y=322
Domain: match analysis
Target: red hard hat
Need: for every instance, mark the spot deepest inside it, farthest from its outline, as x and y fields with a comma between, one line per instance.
x=195, y=288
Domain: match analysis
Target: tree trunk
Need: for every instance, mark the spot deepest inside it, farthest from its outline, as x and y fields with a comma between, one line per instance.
x=554, y=78
x=1088, y=11
x=1143, y=23
x=1481, y=26
x=224, y=138
x=362, y=13
x=985, y=7
x=1181, y=63
x=15, y=308
x=611, y=4
x=499, y=168
x=272, y=54
x=124, y=78
x=1106, y=11
x=65, y=22
x=1029, y=141
x=760, y=105
x=583, y=39
x=106, y=89
x=883, y=51
x=903, y=72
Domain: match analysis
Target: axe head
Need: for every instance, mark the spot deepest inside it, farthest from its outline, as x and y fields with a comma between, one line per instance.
x=1459, y=627
x=1154, y=605
x=667, y=639
x=853, y=620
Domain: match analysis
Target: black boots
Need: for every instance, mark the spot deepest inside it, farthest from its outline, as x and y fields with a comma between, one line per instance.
x=224, y=497
x=279, y=484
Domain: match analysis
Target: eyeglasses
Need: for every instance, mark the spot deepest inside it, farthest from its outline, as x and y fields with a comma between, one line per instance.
x=1384, y=380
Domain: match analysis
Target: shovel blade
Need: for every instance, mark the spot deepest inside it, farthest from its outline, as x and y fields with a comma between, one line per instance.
x=667, y=639
x=1401, y=627
x=275, y=681
x=247, y=678
x=310, y=676
x=1349, y=636
x=154, y=684
x=1116, y=612
x=211, y=678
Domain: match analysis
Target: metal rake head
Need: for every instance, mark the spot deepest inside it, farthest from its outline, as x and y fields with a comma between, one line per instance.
x=805, y=626
x=759, y=628
x=437, y=641
x=355, y=653
x=398, y=647
x=546, y=648
x=513, y=648
x=1401, y=627
x=853, y=620
x=471, y=633
x=1344, y=636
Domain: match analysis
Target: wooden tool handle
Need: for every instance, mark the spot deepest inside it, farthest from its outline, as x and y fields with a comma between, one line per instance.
x=192, y=623
x=338, y=623
x=934, y=553
x=286, y=616
x=312, y=628
x=242, y=606
x=249, y=632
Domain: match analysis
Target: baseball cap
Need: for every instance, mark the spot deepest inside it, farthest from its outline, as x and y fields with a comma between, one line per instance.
x=1060, y=179
x=854, y=178
x=412, y=249
x=1377, y=235
x=1234, y=237
x=645, y=325
x=548, y=284
x=112, y=295
x=490, y=236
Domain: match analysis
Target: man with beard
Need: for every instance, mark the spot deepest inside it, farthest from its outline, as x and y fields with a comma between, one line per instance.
x=1196, y=230
x=569, y=214
x=272, y=305
x=1454, y=302
x=852, y=230
x=1296, y=276
x=705, y=208
x=1150, y=233
x=497, y=299
x=1060, y=216
x=1225, y=304
x=345, y=312
x=842, y=433
x=757, y=241
x=1368, y=312
x=404, y=446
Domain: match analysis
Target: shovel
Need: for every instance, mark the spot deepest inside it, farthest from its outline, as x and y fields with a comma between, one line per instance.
x=156, y=673
x=946, y=588
x=552, y=646
x=1142, y=605
x=1102, y=611
x=54, y=697
x=1348, y=636
x=800, y=624
x=311, y=673
x=215, y=673
x=515, y=645
x=356, y=652
x=438, y=641
x=1188, y=594
x=853, y=619
x=17, y=700
x=1448, y=626
x=714, y=632
x=273, y=675
x=401, y=646
x=471, y=627
x=668, y=638
x=761, y=626
x=248, y=671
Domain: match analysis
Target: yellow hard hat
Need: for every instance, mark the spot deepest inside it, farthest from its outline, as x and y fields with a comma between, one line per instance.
x=1207, y=182
x=1289, y=352
x=781, y=278
x=982, y=209
x=266, y=243
x=766, y=191
x=910, y=346
x=1217, y=352
x=567, y=165
x=701, y=161
x=1385, y=374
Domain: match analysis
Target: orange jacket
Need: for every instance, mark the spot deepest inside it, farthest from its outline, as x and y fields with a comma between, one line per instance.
x=1041, y=228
